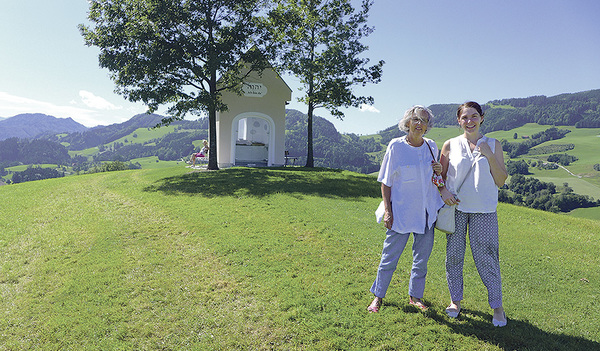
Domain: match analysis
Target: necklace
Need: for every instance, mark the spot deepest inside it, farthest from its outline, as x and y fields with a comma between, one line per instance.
x=414, y=144
x=473, y=144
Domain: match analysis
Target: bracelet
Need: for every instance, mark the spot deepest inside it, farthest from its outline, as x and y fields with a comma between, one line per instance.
x=438, y=180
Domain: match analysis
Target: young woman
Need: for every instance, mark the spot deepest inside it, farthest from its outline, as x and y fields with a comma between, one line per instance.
x=473, y=166
x=411, y=203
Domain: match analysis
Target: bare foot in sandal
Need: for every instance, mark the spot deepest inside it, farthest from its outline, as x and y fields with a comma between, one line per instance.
x=453, y=310
x=375, y=305
x=417, y=303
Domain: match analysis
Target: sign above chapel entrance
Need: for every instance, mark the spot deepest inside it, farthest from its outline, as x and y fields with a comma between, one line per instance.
x=254, y=89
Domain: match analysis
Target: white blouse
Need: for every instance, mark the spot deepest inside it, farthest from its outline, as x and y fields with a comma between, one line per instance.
x=478, y=192
x=407, y=171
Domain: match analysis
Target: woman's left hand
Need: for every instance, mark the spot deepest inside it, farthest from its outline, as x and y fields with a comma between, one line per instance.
x=388, y=219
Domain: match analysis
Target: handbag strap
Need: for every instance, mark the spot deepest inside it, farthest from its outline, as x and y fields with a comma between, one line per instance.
x=466, y=175
x=430, y=151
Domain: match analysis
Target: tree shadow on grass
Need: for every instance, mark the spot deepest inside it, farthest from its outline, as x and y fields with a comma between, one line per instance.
x=516, y=335
x=259, y=182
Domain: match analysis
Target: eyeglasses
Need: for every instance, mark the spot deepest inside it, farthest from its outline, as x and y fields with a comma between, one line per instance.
x=419, y=120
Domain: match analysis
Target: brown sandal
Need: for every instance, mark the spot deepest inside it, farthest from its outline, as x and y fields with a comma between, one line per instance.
x=375, y=305
x=417, y=303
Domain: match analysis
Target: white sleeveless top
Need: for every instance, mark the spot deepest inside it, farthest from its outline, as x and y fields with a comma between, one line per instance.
x=478, y=193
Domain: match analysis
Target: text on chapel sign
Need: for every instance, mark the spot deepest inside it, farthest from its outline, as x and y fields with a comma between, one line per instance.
x=254, y=89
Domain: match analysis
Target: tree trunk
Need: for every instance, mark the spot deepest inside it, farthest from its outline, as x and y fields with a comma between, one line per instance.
x=309, y=157
x=212, y=137
x=212, y=125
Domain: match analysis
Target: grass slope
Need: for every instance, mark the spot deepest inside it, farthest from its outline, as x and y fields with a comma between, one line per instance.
x=265, y=259
x=138, y=136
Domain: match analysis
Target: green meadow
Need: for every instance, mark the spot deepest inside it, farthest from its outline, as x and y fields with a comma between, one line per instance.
x=584, y=179
x=143, y=135
x=139, y=136
x=21, y=168
x=152, y=162
x=266, y=259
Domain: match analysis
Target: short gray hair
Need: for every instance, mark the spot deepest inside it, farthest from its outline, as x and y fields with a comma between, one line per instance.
x=412, y=112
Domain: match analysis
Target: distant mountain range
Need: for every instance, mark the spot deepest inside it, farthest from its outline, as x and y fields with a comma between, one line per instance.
x=41, y=126
x=57, y=140
x=581, y=110
x=35, y=125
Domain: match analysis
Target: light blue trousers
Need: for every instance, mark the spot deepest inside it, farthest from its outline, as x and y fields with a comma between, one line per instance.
x=392, y=250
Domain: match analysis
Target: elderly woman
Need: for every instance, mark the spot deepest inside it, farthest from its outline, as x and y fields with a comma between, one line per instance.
x=411, y=202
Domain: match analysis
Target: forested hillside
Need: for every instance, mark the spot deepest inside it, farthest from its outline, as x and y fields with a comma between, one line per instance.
x=581, y=110
x=172, y=146
x=331, y=149
x=106, y=134
x=54, y=149
x=23, y=151
x=91, y=150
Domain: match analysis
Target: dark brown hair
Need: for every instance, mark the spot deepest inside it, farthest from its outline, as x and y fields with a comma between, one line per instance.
x=468, y=104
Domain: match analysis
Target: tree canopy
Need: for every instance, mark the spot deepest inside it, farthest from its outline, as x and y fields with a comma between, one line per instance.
x=320, y=43
x=176, y=53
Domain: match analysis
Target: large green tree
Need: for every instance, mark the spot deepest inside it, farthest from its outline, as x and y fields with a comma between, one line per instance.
x=320, y=43
x=176, y=53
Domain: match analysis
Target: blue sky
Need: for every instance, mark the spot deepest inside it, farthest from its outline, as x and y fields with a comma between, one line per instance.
x=435, y=52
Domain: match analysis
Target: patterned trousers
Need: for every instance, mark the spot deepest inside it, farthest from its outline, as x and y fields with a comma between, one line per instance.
x=483, y=238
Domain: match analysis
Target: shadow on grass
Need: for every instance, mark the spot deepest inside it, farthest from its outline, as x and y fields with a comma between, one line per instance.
x=260, y=182
x=516, y=335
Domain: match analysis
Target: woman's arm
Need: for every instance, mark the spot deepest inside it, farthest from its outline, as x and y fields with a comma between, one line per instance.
x=496, y=161
x=386, y=194
x=447, y=196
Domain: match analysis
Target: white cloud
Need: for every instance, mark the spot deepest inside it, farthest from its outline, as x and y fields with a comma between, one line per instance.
x=93, y=101
x=368, y=108
x=11, y=105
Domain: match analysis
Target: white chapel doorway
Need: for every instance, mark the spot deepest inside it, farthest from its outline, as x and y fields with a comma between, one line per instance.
x=253, y=140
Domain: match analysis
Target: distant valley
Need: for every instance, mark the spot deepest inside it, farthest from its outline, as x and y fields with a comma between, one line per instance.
x=70, y=148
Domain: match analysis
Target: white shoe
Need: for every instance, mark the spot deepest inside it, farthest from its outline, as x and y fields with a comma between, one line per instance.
x=452, y=312
x=498, y=323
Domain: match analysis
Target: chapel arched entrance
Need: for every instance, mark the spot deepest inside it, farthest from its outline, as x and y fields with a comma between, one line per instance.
x=253, y=140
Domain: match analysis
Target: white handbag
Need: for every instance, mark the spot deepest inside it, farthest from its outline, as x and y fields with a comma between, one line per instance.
x=446, y=220
x=380, y=212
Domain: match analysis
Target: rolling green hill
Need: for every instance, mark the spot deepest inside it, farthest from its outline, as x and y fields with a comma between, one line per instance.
x=580, y=175
x=264, y=259
x=136, y=140
x=580, y=110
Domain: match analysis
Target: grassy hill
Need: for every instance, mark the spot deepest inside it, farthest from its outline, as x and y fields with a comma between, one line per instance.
x=584, y=179
x=265, y=259
x=580, y=176
x=585, y=140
